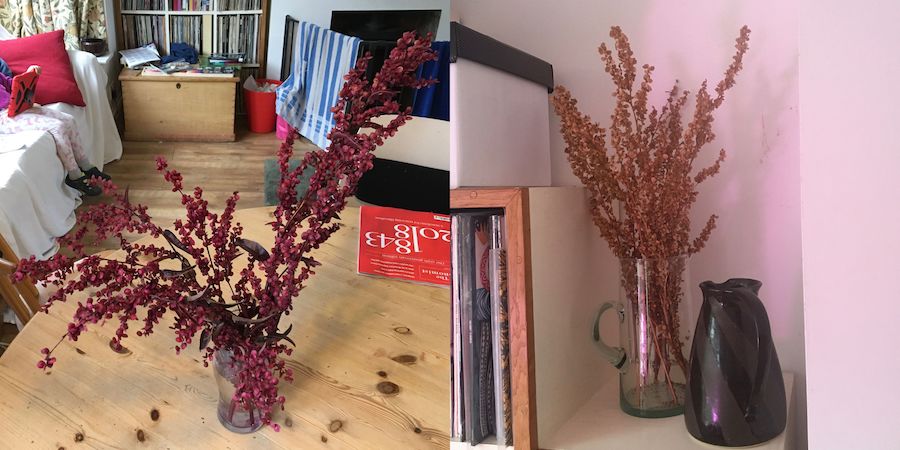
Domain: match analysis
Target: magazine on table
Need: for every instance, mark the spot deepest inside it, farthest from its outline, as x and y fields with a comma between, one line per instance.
x=404, y=245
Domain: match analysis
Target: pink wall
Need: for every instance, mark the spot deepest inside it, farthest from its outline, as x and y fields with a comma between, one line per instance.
x=757, y=194
x=850, y=214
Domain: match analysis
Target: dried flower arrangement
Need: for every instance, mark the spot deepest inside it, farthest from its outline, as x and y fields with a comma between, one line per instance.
x=240, y=316
x=643, y=163
x=650, y=168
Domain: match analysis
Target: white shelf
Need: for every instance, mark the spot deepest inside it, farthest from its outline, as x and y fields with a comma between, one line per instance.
x=191, y=13
x=482, y=446
x=601, y=424
x=161, y=12
x=248, y=11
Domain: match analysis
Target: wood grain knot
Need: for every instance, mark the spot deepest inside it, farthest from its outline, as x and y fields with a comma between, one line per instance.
x=121, y=350
x=388, y=388
x=402, y=330
x=417, y=430
x=335, y=426
x=79, y=351
x=154, y=414
x=140, y=436
x=288, y=422
x=79, y=437
x=324, y=439
x=405, y=359
x=382, y=374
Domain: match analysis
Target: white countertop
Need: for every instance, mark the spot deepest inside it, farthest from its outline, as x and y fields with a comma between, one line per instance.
x=601, y=424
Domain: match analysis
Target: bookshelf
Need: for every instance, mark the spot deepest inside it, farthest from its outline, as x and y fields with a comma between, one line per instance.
x=211, y=26
x=514, y=203
x=559, y=271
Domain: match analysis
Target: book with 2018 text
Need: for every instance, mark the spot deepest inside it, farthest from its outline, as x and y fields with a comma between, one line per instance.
x=405, y=245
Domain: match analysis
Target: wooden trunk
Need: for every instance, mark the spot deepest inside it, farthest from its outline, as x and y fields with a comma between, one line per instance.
x=178, y=108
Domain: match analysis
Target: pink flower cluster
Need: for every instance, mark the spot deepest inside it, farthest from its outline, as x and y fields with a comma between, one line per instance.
x=193, y=274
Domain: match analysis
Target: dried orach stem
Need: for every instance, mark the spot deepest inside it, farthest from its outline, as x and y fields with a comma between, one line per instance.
x=644, y=161
x=197, y=274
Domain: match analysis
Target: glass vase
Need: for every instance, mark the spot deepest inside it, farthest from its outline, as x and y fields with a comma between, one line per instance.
x=237, y=416
x=654, y=332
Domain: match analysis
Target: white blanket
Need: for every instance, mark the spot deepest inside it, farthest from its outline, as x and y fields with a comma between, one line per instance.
x=96, y=125
x=35, y=207
x=35, y=204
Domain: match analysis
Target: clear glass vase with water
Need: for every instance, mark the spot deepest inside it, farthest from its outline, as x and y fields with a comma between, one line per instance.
x=654, y=334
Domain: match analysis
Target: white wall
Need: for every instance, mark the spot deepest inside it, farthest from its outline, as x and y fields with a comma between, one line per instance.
x=757, y=193
x=850, y=213
x=319, y=13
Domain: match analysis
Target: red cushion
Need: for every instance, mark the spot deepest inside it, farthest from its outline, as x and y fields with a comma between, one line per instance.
x=48, y=51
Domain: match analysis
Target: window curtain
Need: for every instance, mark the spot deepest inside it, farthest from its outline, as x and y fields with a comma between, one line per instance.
x=78, y=18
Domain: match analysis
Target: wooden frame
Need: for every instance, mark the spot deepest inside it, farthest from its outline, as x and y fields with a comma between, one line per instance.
x=514, y=202
x=23, y=296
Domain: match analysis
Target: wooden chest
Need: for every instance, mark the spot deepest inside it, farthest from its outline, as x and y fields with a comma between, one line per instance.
x=178, y=108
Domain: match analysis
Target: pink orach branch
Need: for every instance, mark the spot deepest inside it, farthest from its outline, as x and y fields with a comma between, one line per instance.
x=231, y=306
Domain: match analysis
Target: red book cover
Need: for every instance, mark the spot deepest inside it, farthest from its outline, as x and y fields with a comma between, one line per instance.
x=405, y=245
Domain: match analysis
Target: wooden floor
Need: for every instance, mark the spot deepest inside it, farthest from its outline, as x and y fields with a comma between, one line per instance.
x=219, y=168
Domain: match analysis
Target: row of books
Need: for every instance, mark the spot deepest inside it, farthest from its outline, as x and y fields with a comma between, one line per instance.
x=238, y=34
x=239, y=5
x=140, y=30
x=146, y=5
x=480, y=395
x=188, y=29
x=190, y=5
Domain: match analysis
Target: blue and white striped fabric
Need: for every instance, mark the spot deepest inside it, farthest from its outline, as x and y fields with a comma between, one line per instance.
x=321, y=59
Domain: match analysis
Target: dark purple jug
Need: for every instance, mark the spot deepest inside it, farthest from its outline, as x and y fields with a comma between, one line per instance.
x=735, y=390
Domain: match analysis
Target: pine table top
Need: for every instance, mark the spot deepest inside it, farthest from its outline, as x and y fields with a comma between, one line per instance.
x=354, y=334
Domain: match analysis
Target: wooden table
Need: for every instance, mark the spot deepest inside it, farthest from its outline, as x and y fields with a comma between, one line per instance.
x=352, y=332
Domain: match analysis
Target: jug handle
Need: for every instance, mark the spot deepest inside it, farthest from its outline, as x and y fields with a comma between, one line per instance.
x=615, y=355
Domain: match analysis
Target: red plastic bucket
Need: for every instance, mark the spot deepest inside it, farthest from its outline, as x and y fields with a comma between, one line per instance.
x=260, y=108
